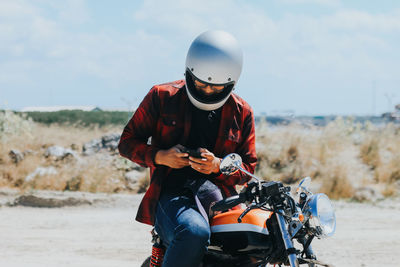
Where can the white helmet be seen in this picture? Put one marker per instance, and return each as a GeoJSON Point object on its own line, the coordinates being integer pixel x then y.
{"type": "Point", "coordinates": [214, 58]}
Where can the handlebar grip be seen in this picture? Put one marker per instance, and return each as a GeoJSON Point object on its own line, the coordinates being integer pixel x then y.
{"type": "Point", "coordinates": [228, 203]}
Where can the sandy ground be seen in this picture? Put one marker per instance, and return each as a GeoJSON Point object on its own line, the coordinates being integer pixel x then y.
{"type": "Point", "coordinates": [105, 234]}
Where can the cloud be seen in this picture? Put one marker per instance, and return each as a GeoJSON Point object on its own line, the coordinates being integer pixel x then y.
{"type": "Point", "coordinates": [38, 43]}
{"type": "Point", "coordinates": [293, 41]}
{"type": "Point", "coordinates": [188, 18]}
{"type": "Point", "coordinates": [43, 41]}
{"type": "Point", "coordinates": [16, 9]}
{"type": "Point", "coordinates": [331, 3]}
{"type": "Point", "coordinates": [354, 20]}
{"type": "Point", "coordinates": [72, 11]}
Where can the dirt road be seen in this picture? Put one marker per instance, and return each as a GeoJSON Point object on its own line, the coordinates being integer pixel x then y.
{"type": "Point", "coordinates": [105, 234]}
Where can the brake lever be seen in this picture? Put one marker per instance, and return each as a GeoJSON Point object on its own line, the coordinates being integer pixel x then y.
{"type": "Point", "coordinates": [249, 208]}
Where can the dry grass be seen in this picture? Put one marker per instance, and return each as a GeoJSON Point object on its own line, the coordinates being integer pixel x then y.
{"type": "Point", "coordinates": [340, 157]}
{"type": "Point", "coordinates": [336, 182]}
{"type": "Point", "coordinates": [369, 152]}
{"type": "Point", "coordinates": [388, 169]}
{"type": "Point", "coordinates": [144, 183]}
{"type": "Point", "coordinates": [94, 175]}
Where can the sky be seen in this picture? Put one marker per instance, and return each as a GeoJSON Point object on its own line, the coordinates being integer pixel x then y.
{"type": "Point", "coordinates": [301, 57]}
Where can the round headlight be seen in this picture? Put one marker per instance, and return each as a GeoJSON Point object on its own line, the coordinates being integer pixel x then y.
{"type": "Point", "coordinates": [321, 215]}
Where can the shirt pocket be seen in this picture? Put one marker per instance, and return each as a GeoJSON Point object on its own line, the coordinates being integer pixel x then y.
{"type": "Point", "coordinates": [234, 135]}
{"type": "Point", "coordinates": [170, 131]}
{"type": "Point", "coordinates": [169, 121]}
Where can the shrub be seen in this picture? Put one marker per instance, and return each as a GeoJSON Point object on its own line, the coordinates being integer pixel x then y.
{"type": "Point", "coordinates": [81, 118]}
{"type": "Point", "coordinates": [369, 152]}
{"type": "Point", "coordinates": [335, 181]}
{"type": "Point", "coordinates": [14, 126]}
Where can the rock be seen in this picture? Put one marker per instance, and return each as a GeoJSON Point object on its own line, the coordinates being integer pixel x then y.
{"type": "Point", "coordinates": [8, 195]}
{"type": "Point", "coordinates": [16, 156]}
{"type": "Point", "coordinates": [41, 202]}
{"type": "Point", "coordinates": [59, 153]}
{"type": "Point", "coordinates": [133, 176]}
{"type": "Point", "coordinates": [363, 194]}
{"type": "Point", "coordinates": [107, 142]}
{"type": "Point", "coordinates": [113, 145]}
{"type": "Point", "coordinates": [40, 171]}
{"type": "Point", "coordinates": [124, 164]}
{"type": "Point", "coordinates": [92, 147]}
{"type": "Point", "coordinates": [110, 141]}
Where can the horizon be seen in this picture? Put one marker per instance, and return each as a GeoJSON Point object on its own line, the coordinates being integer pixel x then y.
{"type": "Point", "coordinates": [89, 108]}
{"type": "Point", "coordinates": [308, 57]}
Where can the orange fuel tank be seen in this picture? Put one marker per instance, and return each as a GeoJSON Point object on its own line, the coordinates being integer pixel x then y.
{"type": "Point", "coordinates": [251, 233]}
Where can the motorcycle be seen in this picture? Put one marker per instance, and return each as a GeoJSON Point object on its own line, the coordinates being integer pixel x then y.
{"type": "Point", "coordinates": [265, 232]}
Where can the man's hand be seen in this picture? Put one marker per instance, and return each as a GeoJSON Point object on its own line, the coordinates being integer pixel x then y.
{"type": "Point", "coordinates": [172, 157]}
{"type": "Point", "coordinates": [209, 163]}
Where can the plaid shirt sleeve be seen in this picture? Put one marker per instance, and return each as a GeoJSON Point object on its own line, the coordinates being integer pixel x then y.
{"type": "Point", "coordinates": [247, 150]}
{"type": "Point", "coordinates": [134, 139]}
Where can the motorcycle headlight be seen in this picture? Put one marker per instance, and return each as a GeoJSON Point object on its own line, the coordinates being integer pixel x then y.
{"type": "Point", "coordinates": [321, 215]}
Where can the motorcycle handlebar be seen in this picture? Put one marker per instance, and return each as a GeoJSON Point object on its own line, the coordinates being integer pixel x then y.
{"type": "Point", "coordinates": [228, 203]}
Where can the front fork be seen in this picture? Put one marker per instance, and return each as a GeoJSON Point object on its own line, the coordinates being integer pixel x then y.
{"type": "Point", "coordinates": [283, 226]}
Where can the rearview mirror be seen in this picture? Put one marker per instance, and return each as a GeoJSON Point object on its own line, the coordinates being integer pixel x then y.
{"type": "Point", "coordinates": [230, 164]}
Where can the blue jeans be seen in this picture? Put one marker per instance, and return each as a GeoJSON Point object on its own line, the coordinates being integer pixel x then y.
{"type": "Point", "coordinates": [183, 230]}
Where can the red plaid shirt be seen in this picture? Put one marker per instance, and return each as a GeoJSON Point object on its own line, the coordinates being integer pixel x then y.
{"type": "Point", "coordinates": [164, 115]}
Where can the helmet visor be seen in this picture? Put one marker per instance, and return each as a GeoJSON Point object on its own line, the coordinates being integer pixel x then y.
{"type": "Point", "coordinates": [205, 92]}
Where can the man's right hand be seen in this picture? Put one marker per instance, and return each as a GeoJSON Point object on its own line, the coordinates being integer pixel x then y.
{"type": "Point", "coordinates": [172, 157]}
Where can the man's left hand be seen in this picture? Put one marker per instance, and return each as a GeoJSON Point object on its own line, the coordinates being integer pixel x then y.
{"type": "Point", "coordinates": [207, 164]}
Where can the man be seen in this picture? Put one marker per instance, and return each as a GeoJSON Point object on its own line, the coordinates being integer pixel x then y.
{"type": "Point", "coordinates": [202, 114]}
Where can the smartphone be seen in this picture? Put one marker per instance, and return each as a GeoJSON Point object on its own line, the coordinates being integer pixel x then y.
{"type": "Point", "coordinates": [195, 153]}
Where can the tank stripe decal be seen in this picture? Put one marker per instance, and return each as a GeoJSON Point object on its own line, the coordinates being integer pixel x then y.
{"type": "Point", "coordinates": [239, 227]}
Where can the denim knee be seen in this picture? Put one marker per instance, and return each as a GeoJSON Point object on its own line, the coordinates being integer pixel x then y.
{"type": "Point", "coordinates": [194, 235]}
